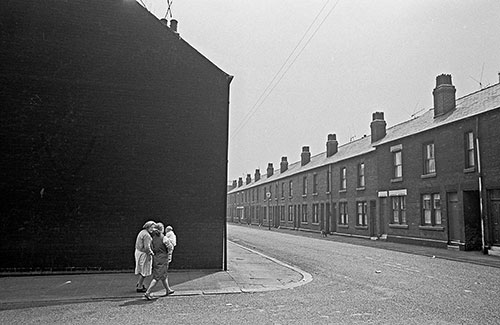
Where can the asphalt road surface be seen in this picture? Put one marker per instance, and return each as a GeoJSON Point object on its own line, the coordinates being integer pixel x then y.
{"type": "Point", "coordinates": [351, 285]}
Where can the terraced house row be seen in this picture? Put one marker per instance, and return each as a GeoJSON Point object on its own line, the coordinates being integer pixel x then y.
{"type": "Point", "coordinates": [431, 180]}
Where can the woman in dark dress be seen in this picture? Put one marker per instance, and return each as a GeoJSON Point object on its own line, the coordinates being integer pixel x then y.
{"type": "Point", "coordinates": [162, 248]}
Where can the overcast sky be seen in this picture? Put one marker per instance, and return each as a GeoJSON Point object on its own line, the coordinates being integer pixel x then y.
{"type": "Point", "coordinates": [304, 69]}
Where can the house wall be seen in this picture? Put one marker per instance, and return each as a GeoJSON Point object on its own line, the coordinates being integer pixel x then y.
{"type": "Point", "coordinates": [111, 120]}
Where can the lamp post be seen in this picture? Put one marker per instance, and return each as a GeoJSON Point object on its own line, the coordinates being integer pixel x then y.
{"type": "Point", "coordinates": [268, 195]}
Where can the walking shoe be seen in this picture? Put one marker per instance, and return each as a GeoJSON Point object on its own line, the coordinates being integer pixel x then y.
{"type": "Point", "coordinates": [148, 296]}
{"type": "Point", "coordinates": [170, 292]}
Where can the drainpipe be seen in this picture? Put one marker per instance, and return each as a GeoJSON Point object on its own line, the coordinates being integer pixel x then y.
{"type": "Point", "coordinates": [481, 190]}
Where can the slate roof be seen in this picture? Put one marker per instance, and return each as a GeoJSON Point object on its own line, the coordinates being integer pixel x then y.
{"type": "Point", "coordinates": [468, 106]}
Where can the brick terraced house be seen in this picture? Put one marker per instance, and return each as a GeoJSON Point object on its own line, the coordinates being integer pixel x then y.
{"type": "Point", "coordinates": [109, 119]}
{"type": "Point", "coordinates": [432, 180]}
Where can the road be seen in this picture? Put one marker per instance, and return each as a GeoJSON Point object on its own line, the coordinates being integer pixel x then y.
{"type": "Point", "coordinates": [351, 285]}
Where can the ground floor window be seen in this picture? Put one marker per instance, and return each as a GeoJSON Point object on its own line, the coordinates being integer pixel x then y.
{"type": "Point", "coordinates": [398, 209]}
{"type": "Point", "coordinates": [343, 215]}
{"type": "Point", "coordinates": [290, 213]}
{"type": "Point", "coordinates": [304, 213]}
{"type": "Point", "coordinates": [315, 218]}
{"type": "Point", "coordinates": [362, 208]}
{"type": "Point", "coordinates": [431, 209]}
{"type": "Point", "coordinates": [282, 213]}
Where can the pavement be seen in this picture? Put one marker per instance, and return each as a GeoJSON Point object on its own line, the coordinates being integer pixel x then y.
{"type": "Point", "coordinates": [248, 271]}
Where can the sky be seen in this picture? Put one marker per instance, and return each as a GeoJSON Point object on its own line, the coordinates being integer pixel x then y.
{"type": "Point", "coordinates": [305, 69]}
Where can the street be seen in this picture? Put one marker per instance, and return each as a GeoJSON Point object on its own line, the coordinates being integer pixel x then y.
{"type": "Point", "coordinates": [351, 285]}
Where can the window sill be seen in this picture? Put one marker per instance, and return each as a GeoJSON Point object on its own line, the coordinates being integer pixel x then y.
{"type": "Point", "coordinates": [360, 188]}
{"type": "Point", "coordinates": [282, 198]}
{"type": "Point", "coordinates": [470, 170]}
{"type": "Point", "coordinates": [304, 195]}
{"type": "Point", "coordinates": [327, 192]}
{"type": "Point", "coordinates": [342, 226]}
{"type": "Point", "coordinates": [397, 180]}
{"type": "Point", "coordinates": [430, 175]}
{"type": "Point", "coordinates": [398, 226]}
{"type": "Point", "coordinates": [433, 228]}
{"type": "Point", "coordinates": [361, 227]}
{"type": "Point", "coordinates": [342, 191]}
{"type": "Point", "coordinates": [315, 223]}
{"type": "Point", "coordinates": [304, 223]}
{"type": "Point", "coordinates": [315, 194]}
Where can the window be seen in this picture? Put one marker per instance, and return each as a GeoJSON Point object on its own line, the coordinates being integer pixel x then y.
{"type": "Point", "coordinates": [253, 194]}
{"type": "Point", "coordinates": [398, 209]}
{"type": "Point", "coordinates": [431, 209]}
{"type": "Point", "coordinates": [290, 188]}
{"type": "Point", "coordinates": [343, 178]}
{"type": "Point", "coordinates": [315, 184]}
{"type": "Point", "coordinates": [361, 175]}
{"type": "Point", "coordinates": [265, 193]}
{"type": "Point", "coordinates": [328, 181]}
{"type": "Point", "coordinates": [304, 213]}
{"type": "Point", "coordinates": [469, 150]}
{"type": "Point", "coordinates": [290, 213]}
{"type": "Point", "coordinates": [315, 216]}
{"type": "Point", "coordinates": [257, 194]}
{"type": "Point", "coordinates": [304, 185]}
{"type": "Point", "coordinates": [282, 213]}
{"type": "Point", "coordinates": [282, 190]}
{"type": "Point", "coordinates": [277, 190]}
{"type": "Point", "coordinates": [343, 216]}
{"type": "Point", "coordinates": [429, 160]}
{"type": "Point", "coordinates": [362, 210]}
{"type": "Point", "coordinates": [398, 164]}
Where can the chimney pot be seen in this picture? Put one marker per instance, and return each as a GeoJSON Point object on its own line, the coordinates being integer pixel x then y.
{"type": "Point", "coordinates": [249, 179]}
{"type": "Point", "coordinates": [173, 25]}
{"type": "Point", "coordinates": [240, 181]}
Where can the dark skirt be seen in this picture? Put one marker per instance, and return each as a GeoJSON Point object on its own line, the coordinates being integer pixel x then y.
{"type": "Point", "coordinates": [160, 266]}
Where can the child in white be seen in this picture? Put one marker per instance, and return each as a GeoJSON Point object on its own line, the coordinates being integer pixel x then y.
{"type": "Point", "coordinates": [171, 237]}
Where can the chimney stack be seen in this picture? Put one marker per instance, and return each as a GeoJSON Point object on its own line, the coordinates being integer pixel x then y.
{"type": "Point", "coordinates": [378, 126]}
{"type": "Point", "coordinates": [305, 156]}
{"type": "Point", "coordinates": [444, 95]}
{"type": "Point", "coordinates": [235, 183]}
{"type": "Point", "coordinates": [257, 174]}
{"type": "Point", "coordinates": [270, 170]}
{"type": "Point", "coordinates": [240, 181]}
{"type": "Point", "coordinates": [283, 165]}
{"type": "Point", "coordinates": [331, 145]}
{"type": "Point", "coordinates": [248, 180]}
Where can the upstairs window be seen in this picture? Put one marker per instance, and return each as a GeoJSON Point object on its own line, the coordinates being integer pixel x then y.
{"type": "Point", "coordinates": [328, 181]}
{"type": "Point", "coordinates": [290, 188]}
{"type": "Point", "coordinates": [429, 159]}
{"type": "Point", "coordinates": [343, 178]}
{"type": "Point", "coordinates": [304, 185]}
{"type": "Point", "coordinates": [470, 161]}
{"type": "Point", "coordinates": [315, 183]}
{"type": "Point", "coordinates": [398, 164]}
{"type": "Point", "coordinates": [282, 190]}
{"type": "Point", "coordinates": [361, 175]}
